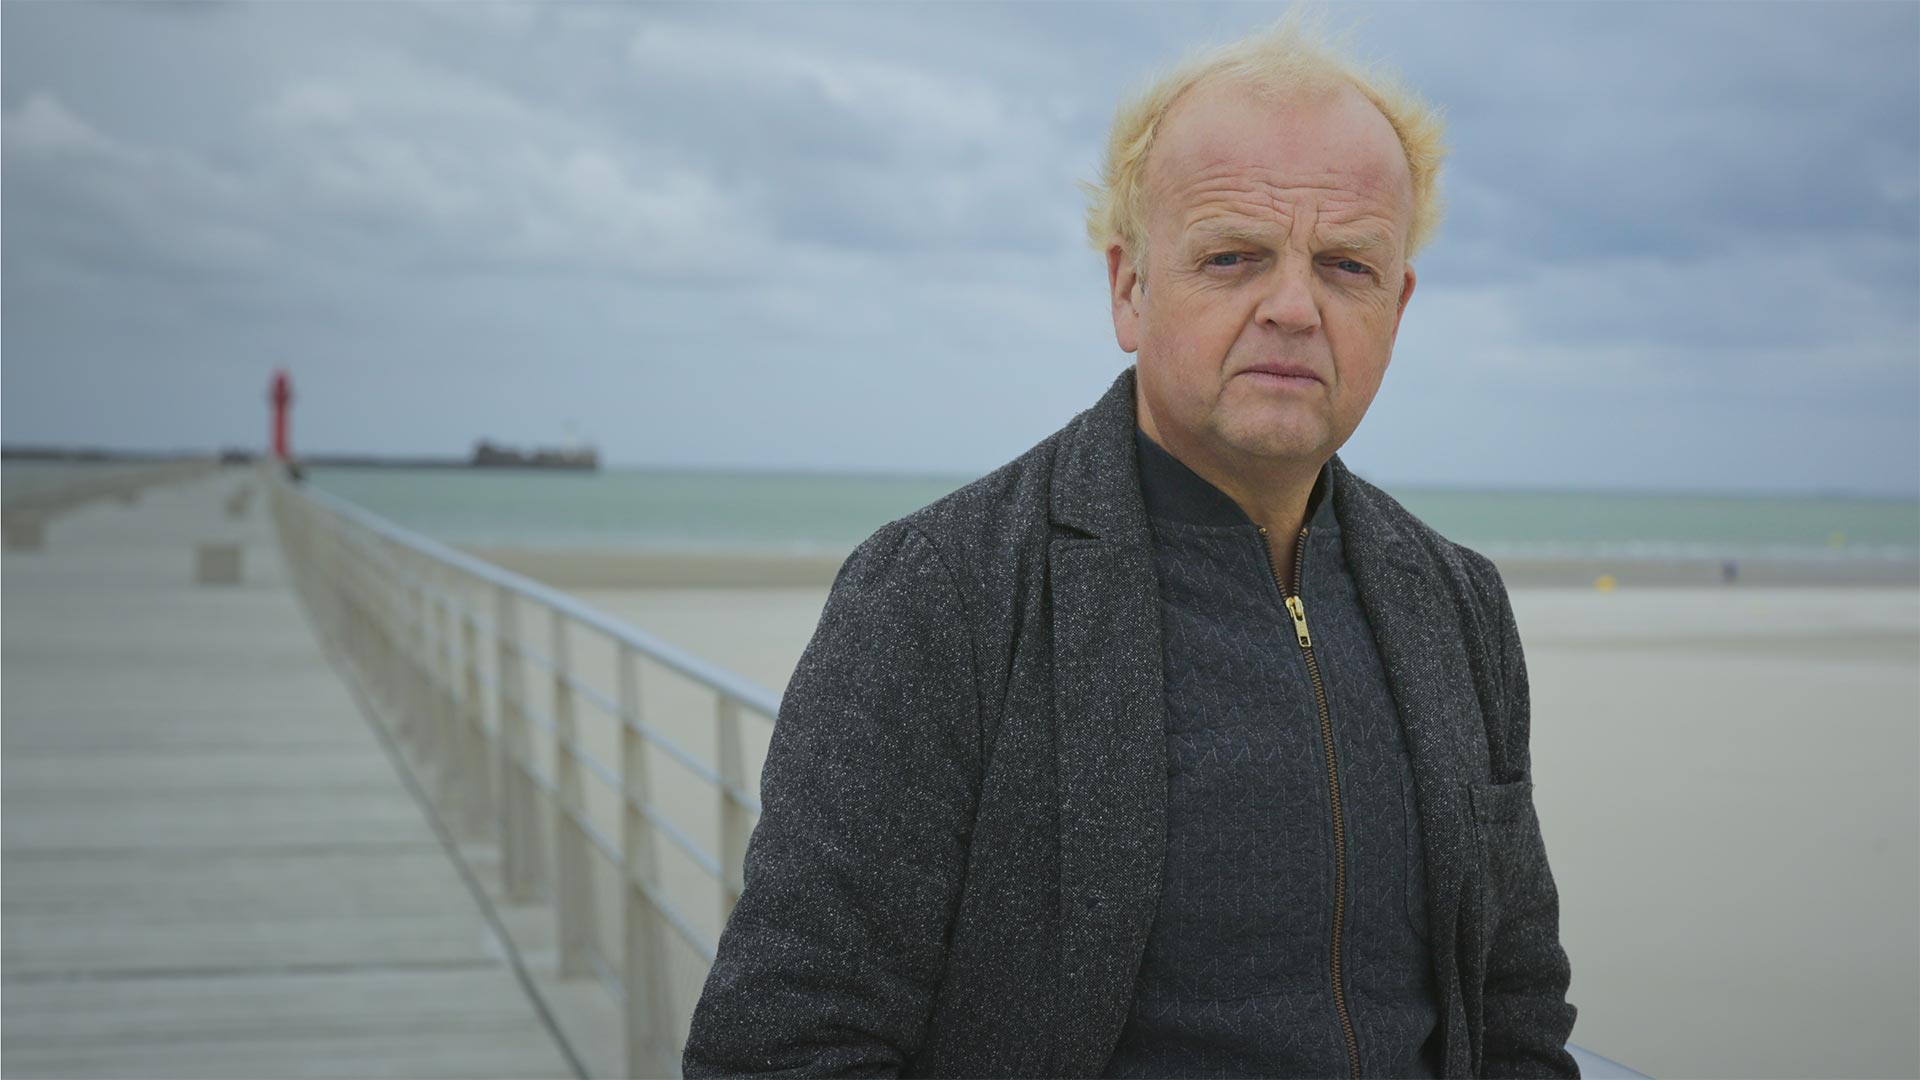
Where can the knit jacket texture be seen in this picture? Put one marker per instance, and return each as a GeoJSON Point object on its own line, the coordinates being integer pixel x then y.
{"type": "Point", "coordinates": [964, 823]}
{"type": "Point", "coordinates": [1265, 870]}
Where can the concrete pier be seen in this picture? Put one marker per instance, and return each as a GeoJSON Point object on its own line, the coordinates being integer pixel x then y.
{"type": "Point", "coordinates": [212, 864]}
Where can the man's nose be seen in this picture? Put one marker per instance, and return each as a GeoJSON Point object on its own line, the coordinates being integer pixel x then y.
{"type": "Point", "coordinates": [1289, 303]}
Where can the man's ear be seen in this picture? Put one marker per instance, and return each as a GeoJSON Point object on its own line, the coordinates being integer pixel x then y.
{"type": "Point", "coordinates": [1406, 294]}
{"type": "Point", "coordinates": [1127, 290]}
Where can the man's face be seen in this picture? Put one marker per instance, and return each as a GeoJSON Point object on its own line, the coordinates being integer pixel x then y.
{"type": "Point", "coordinates": [1275, 277]}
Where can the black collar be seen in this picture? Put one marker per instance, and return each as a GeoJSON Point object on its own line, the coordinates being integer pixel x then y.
{"type": "Point", "coordinates": [1174, 492]}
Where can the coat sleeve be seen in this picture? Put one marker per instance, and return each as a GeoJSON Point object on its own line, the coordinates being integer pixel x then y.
{"type": "Point", "coordinates": [829, 962]}
{"type": "Point", "coordinates": [1527, 1017]}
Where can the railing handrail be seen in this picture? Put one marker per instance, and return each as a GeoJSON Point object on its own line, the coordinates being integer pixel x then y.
{"type": "Point", "coordinates": [747, 693]}
{"type": "Point", "coordinates": [451, 685]}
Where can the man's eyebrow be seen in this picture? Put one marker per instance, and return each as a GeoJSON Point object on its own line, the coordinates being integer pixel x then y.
{"type": "Point", "coordinates": [1363, 241]}
{"type": "Point", "coordinates": [1216, 233]}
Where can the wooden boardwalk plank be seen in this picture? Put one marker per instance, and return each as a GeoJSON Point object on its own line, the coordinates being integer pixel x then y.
{"type": "Point", "coordinates": [137, 913]}
{"type": "Point", "coordinates": [253, 1006]}
{"type": "Point", "coordinates": [211, 865]}
{"type": "Point", "coordinates": [213, 819]}
{"type": "Point", "coordinates": [475, 1054]}
{"type": "Point", "coordinates": [119, 770]}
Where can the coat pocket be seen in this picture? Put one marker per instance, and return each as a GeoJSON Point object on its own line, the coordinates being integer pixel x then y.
{"type": "Point", "coordinates": [1512, 855]}
{"type": "Point", "coordinates": [1493, 803]}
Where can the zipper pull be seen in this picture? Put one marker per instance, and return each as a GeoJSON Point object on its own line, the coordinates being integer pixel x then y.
{"type": "Point", "coordinates": [1298, 609]}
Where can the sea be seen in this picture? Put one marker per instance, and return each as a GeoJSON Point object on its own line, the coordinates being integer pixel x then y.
{"type": "Point", "coordinates": [677, 510]}
{"type": "Point", "coordinates": [708, 510]}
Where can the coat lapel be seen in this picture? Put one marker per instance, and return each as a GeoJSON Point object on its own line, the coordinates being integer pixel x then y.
{"type": "Point", "coordinates": [1109, 702]}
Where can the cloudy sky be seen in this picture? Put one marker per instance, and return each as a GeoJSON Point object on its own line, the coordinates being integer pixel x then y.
{"type": "Point", "coordinates": [1683, 249]}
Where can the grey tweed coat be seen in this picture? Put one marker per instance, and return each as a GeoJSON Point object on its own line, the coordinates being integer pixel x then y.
{"type": "Point", "coordinates": [965, 801]}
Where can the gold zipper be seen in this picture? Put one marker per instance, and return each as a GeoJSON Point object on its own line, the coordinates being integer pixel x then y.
{"type": "Point", "coordinates": [1297, 607]}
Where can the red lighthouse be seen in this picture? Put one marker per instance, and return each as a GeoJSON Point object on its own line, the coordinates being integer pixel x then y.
{"type": "Point", "coordinates": [281, 396]}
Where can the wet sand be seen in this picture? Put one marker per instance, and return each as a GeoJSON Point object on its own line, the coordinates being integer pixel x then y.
{"type": "Point", "coordinates": [1728, 779]}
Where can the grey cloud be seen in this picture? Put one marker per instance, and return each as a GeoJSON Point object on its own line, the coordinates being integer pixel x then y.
{"type": "Point", "coordinates": [710, 232]}
{"type": "Point", "coordinates": [1676, 130]}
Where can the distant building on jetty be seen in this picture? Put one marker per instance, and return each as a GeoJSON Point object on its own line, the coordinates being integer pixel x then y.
{"type": "Point", "coordinates": [487, 455]}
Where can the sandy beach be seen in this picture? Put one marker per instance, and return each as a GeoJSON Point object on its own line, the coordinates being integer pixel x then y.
{"type": "Point", "coordinates": [600, 568]}
{"type": "Point", "coordinates": [1728, 779]}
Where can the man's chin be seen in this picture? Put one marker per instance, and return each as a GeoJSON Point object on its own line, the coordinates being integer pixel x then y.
{"type": "Point", "coordinates": [1280, 442]}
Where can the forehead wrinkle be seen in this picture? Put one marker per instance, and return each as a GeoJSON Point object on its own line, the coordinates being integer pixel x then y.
{"type": "Point", "coordinates": [1238, 211]}
{"type": "Point", "coordinates": [1232, 190]}
{"type": "Point", "coordinates": [1227, 175]}
{"type": "Point", "coordinates": [1216, 155]}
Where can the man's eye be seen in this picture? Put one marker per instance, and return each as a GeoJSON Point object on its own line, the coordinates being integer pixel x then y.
{"type": "Point", "coordinates": [1226, 258]}
{"type": "Point", "coordinates": [1352, 267]}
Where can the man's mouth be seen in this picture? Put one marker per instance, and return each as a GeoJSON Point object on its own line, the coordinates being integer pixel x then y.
{"type": "Point", "coordinates": [1281, 374]}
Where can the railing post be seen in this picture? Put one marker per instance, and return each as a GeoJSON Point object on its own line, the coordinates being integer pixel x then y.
{"type": "Point", "coordinates": [338, 581]}
{"type": "Point", "coordinates": [355, 613]}
{"type": "Point", "coordinates": [476, 764]}
{"type": "Point", "coordinates": [414, 717]}
{"type": "Point", "coordinates": [400, 615]}
{"type": "Point", "coordinates": [381, 616]}
{"type": "Point", "coordinates": [734, 826]}
{"type": "Point", "coordinates": [406, 654]}
{"type": "Point", "coordinates": [392, 616]}
{"type": "Point", "coordinates": [572, 871]}
{"type": "Point", "coordinates": [648, 1006]}
{"type": "Point", "coordinates": [330, 580]}
{"type": "Point", "coordinates": [518, 873]}
{"type": "Point", "coordinates": [446, 710]}
{"type": "Point", "coordinates": [425, 709]}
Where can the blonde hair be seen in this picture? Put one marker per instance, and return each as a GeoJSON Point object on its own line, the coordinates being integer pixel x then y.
{"type": "Point", "coordinates": [1288, 58]}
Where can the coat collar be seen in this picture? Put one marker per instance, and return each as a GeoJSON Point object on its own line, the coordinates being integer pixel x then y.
{"type": "Point", "coordinates": [1110, 710]}
{"type": "Point", "coordinates": [1096, 477]}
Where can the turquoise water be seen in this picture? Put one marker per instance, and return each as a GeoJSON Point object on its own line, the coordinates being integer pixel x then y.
{"type": "Point", "coordinates": [686, 509]}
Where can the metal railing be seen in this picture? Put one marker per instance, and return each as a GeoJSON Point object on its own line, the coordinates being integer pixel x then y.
{"type": "Point", "coordinates": [443, 645]}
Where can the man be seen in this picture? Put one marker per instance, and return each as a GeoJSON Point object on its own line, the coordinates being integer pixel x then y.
{"type": "Point", "coordinates": [1172, 748]}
